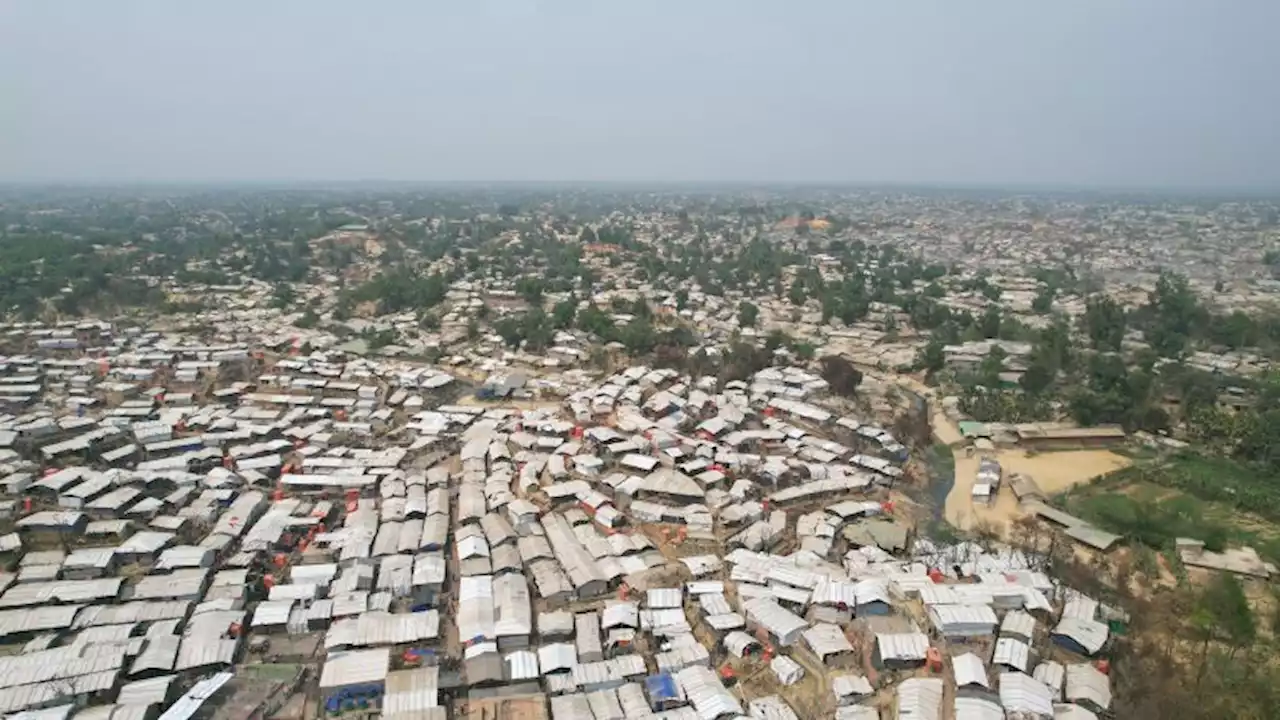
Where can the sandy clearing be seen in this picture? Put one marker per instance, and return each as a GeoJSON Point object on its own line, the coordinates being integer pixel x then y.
{"type": "Point", "coordinates": [945, 431]}
{"type": "Point", "coordinates": [1054, 472]}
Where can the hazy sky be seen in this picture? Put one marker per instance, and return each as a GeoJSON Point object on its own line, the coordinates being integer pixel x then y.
{"type": "Point", "coordinates": [1158, 93]}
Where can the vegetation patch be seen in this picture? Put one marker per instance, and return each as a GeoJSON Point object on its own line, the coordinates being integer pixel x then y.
{"type": "Point", "coordinates": [1218, 501]}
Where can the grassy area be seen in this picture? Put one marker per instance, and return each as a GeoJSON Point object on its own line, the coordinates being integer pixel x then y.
{"type": "Point", "coordinates": [1218, 501]}
{"type": "Point", "coordinates": [941, 460]}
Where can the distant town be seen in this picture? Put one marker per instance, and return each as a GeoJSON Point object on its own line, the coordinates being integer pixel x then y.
{"type": "Point", "coordinates": [609, 454]}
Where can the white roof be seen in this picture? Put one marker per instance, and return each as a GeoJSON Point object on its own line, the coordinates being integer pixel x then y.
{"type": "Point", "coordinates": [706, 693]}
{"type": "Point", "coordinates": [920, 699]}
{"type": "Point", "coordinates": [903, 646]}
{"type": "Point", "coordinates": [557, 656]}
{"type": "Point", "coordinates": [1072, 712]}
{"type": "Point", "coordinates": [826, 639]}
{"type": "Point", "coordinates": [969, 670]}
{"type": "Point", "coordinates": [966, 620]}
{"type": "Point", "coordinates": [1018, 623]}
{"type": "Point", "coordinates": [1013, 653]}
{"type": "Point", "coordinates": [412, 691]}
{"type": "Point", "coordinates": [1091, 634]}
{"type": "Point", "coordinates": [977, 708]}
{"type": "Point", "coordinates": [355, 667]}
{"type": "Point", "coordinates": [1024, 694]}
{"type": "Point", "coordinates": [1053, 675]}
{"type": "Point", "coordinates": [1087, 684]}
{"type": "Point", "coordinates": [664, 598]}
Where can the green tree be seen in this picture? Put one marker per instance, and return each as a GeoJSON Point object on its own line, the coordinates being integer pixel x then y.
{"type": "Point", "coordinates": [308, 320]}
{"type": "Point", "coordinates": [1038, 376]}
{"type": "Point", "coordinates": [562, 315]}
{"type": "Point", "coordinates": [1237, 330]}
{"type": "Point", "coordinates": [1172, 315]}
{"type": "Point", "coordinates": [638, 336]}
{"type": "Point", "coordinates": [776, 339]}
{"type": "Point", "coordinates": [748, 314]}
{"type": "Point", "coordinates": [991, 367]}
{"type": "Point", "coordinates": [841, 376]}
{"type": "Point", "coordinates": [1043, 301]}
{"type": "Point", "coordinates": [1232, 617]}
{"type": "Point", "coordinates": [1104, 323]}
{"type": "Point", "coordinates": [283, 297]}
{"type": "Point", "coordinates": [991, 322]}
{"type": "Point", "coordinates": [1260, 439]}
{"type": "Point", "coordinates": [933, 358]}
{"type": "Point", "coordinates": [796, 294]}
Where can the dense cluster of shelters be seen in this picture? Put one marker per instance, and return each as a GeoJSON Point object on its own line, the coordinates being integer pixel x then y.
{"type": "Point", "coordinates": [653, 545]}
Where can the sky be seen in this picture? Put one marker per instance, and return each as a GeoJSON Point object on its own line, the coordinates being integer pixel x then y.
{"type": "Point", "coordinates": [1076, 93]}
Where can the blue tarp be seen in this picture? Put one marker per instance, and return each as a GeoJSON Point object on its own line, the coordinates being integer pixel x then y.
{"type": "Point", "coordinates": [661, 688]}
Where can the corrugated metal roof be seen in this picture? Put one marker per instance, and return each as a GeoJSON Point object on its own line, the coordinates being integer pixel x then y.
{"type": "Point", "coordinates": [1013, 653]}
{"type": "Point", "coordinates": [383, 628]}
{"type": "Point", "coordinates": [604, 704]}
{"type": "Point", "coordinates": [1024, 694]}
{"type": "Point", "coordinates": [355, 667]}
{"type": "Point", "coordinates": [411, 691]}
{"type": "Point", "coordinates": [706, 693]}
{"type": "Point", "coordinates": [184, 556]}
{"type": "Point", "coordinates": [976, 708]}
{"type": "Point", "coordinates": [513, 610]}
{"type": "Point", "coordinates": [903, 646]}
{"type": "Point", "coordinates": [1053, 675]}
{"type": "Point", "coordinates": [56, 664]}
{"type": "Point", "coordinates": [521, 665]}
{"type": "Point", "coordinates": [557, 656]}
{"type": "Point", "coordinates": [574, 706]}
{"type": "Point", "coordinates": [203, 651]}
{"type": "Point", "coordinates": [190, 703]}
{"type": "Point", "coordinates": [13, 622]}
{"type": "Point", "coordinates": [1086, 685]}
{"type": "Point", "coordinates": [780, 622]}
{"type": "Point", "coordinates": [272, 613]}
{"type": "Point", "coordinates": [920, 699]}
{"type": "Point", "coordinates": [476, 608]}
{"type": "Point", "coordinates": [152, 691]}
{"type": "Point", "coordinates": [620, 614]}
{"type": "Point", "coordinates": [146, 542]}
{"type": "Point", "coordinates": [857, 712]}
{"type": "Point", "coordinates": [664, 598]}
{"type": "Point", "coordinates": [178, 584]}
{"type": "Point", "coordinates": [159, 653]}
{"type": "Point", "coordinates": [1090, 634]}
{"type": "Point", "coordinates": [826, 639]}
{"type": "Point", "coordinates": [770, 707]}
{"type": "Point", "coordinates": [1072, 712]}
{"type": "Point", "coordinates": [963, 620]}
{"type": "Point", "coordinates": [62, 591]}
{"type": "Point", "coordinates": [969, 670]}
{"type": "Point", "coordinates": [1018, 623]}
{"type": "Point", "coordinates": [132, 612]}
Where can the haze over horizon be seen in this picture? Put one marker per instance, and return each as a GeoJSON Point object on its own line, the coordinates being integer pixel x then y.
{"type": "Point", "coordinates": [1141, 94]}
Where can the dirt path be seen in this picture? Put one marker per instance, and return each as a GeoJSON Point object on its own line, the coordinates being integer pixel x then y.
{"type": "Point", "coordinates": [1054, 472]}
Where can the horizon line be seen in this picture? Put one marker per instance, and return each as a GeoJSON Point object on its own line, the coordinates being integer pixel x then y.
{"type": "Point", "coordinates": [1011, 187]}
